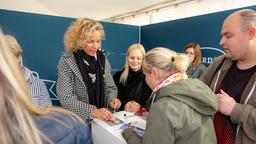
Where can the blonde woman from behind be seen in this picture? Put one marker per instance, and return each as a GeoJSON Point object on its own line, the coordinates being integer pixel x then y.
{"type": "Point", "coordinates": [24, 123]}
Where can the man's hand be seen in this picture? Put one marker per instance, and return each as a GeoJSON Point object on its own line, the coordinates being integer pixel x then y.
{"type": "Point", "coordinates": [226, 103]}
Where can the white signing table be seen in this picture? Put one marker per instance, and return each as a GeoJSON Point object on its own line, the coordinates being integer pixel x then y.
{"type": "Point", "coordinates": [104, 133]}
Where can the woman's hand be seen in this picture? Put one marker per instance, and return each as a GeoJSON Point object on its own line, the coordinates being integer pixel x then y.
{"type": "Point", "coordinates": [132, 106]}
{"type": "Point", "coordinates": [101, 113]}
{"type": "Point", "coordinates": [115, 104]}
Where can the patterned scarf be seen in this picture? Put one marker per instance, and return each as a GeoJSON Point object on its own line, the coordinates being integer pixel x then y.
{"type": "Point", "coordinates": [92, 71]}
{"type": "Point", "coordinates": [170, 79]}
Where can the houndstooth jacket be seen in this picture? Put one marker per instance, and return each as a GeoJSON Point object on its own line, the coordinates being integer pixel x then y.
{"type": "Point", "coordinates": [71, 88]}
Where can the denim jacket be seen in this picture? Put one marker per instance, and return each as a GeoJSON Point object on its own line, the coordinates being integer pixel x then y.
{"type": "Point", "coordinates": [60, 128]}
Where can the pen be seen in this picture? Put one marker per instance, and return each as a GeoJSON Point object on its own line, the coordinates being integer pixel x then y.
{"type": "Point", "coordinates": [132, 123]}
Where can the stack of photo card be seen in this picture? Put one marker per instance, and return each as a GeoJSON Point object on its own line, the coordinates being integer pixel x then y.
{"type": "Point", "coordinates": [115, 123]}
{"type": "Point", "coordinates": [122, 120]}
{"type": "Point", "coordinates": [137, 130]}
{"type": "Point", "coordinates": [136, 121]}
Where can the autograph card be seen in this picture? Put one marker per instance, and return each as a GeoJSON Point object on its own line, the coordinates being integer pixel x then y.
{"type": "Point", "coordinates": [114, 122]}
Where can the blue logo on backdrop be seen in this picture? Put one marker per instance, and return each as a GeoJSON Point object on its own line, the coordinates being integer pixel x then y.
{"type": "Point", "coordinates": [209, 54]}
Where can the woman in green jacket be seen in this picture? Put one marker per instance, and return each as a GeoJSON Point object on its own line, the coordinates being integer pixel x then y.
{"type": "Point", "coordinates": [181, 109]}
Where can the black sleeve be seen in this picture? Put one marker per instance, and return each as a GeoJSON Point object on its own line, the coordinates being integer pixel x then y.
{"type": "Point", "coordinates": [145, 95]}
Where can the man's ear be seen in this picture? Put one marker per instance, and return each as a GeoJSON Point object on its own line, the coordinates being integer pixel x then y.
{"type": "Point", "coordinates": [252, 32]}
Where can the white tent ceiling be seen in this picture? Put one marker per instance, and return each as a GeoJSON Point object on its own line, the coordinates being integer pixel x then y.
{"type": "Point", "coordinates": [96, 9]}
{"type": "Point", "coordinates": [105, 9]}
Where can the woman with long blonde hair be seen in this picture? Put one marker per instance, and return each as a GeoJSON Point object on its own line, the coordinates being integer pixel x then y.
{"type": "Point", "coordinates": [24, 123]}
{"type": "Point", "coordinates": [130, 81]}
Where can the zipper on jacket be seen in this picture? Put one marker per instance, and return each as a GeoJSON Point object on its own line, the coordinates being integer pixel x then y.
{"type": "Point", "coordinates": [246, 100]}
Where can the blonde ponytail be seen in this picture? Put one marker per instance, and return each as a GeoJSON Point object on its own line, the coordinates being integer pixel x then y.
{"type": "Point", "coordinates": [181, 63]}
{"type": "Point", "coordinates": [165, 60]}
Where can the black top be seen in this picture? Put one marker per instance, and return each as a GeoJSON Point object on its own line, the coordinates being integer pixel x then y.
{"type": "Point", "coordinates": [135, 89]}
{"type": "Point", "coordinates": [236, 80]}
{"type": "Point", "coordinates": [234, 84]}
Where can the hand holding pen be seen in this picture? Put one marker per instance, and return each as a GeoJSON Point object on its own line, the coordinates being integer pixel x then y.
{"type": "Point", "coordinates": [132, 106]}
{"type": "Point", "coordinates": [115, 104]}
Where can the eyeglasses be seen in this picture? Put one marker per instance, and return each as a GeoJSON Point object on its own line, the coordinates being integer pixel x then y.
{"type": "Point", "coordinates": [189, 53]}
